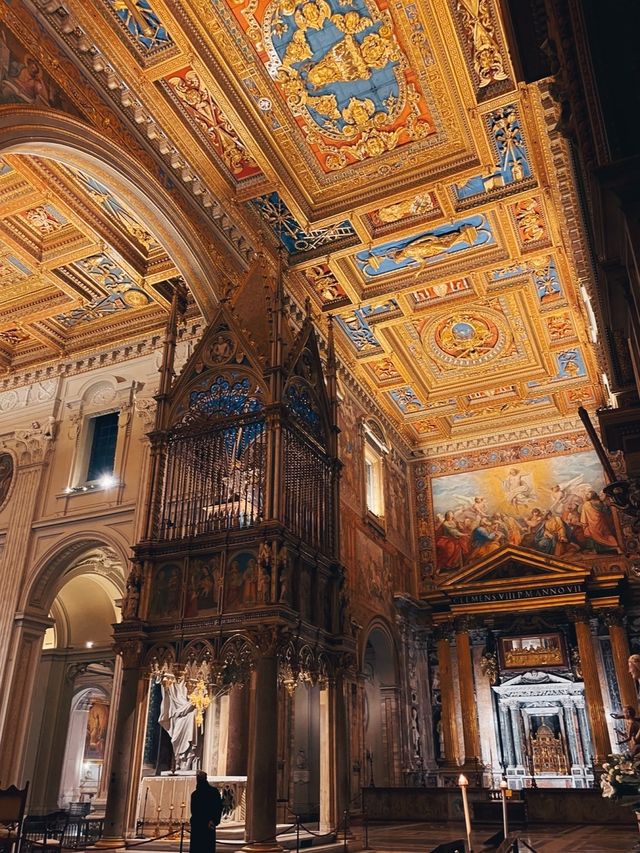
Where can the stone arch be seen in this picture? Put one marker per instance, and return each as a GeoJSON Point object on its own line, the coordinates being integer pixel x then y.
{"type": "Point", "coordinates": [48, 574]}
{"type": "Point", "coordinates": [59, 566]}
{"type": "Point", "coordinates": [379, 663]}
{"type": "Point", "coordinates": [375, 430]}
{"type": "Point", "coordinates": [380, 625]}
{"type": "Point", "coordinates": [54, 136]}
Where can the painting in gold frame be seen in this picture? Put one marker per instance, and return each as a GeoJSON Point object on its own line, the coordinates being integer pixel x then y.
{"type": "Point", "coordinates": [535, 651]}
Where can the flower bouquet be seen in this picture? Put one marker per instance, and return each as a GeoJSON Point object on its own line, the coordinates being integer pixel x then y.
{"type": "Point", "coordinates": [620, 780]}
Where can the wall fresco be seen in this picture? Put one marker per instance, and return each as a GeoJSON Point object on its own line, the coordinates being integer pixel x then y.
{"type": "Point", "coordinates": [23, 80]}
{"type": "Point", "coordinates": [549, 505]}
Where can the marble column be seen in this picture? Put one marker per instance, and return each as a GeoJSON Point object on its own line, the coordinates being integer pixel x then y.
{"type": "Point", "coordinates": [238, 731]}
{"type": "Point", "coordinates": [101, 796]}
{"type": "Point", "coordinates": [25, 651]}
{"type": "Point", "coordinates": [508, 756]}
{"type": "Point", "coordinates": [572, 741]}
{"type": "Point", "coordinates": [327, 815]}
{"type": "Point", "coordinates": [592, 689]}
{"type": "Point", "coordinates": [115, 819]}
{"type": "Point", "coordinates": [585, 735]}
{"type": "Point", "coordinates": [470, 732]}
{"type": "Point", "coordinates": [516, 729]}
{"type": "Point", "coordinates": [575, 723]}
{"type": "Point", "coordinates": [620, 652]}
{"type": "Point", "coordinates": [340, 751]}
{"type": "Point", "coordinates": [262, 770]}
{"type": "Point", "coordinates": [14, 559]}
{"type": "Point", "coordinates": [448, 710]}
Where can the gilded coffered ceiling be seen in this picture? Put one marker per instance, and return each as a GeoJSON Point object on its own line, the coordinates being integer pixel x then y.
{"type": "Point", "coordinates": [418, 192]}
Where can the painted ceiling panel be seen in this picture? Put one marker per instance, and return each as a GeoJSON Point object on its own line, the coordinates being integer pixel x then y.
{"type": "Point", "coordinates": [386, 151]}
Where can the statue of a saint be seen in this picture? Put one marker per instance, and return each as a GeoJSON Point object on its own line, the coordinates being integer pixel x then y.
{"type": "Point", "coordinates": [178, 719]}
{"type": "Point", "coordinates": [285, 571]}
{"type": "Point", "coordinates": [264, 573]}
{"type": "Point", "coordinates": [132, 597]}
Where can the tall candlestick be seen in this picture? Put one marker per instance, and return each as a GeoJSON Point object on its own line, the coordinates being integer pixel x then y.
{"type": "Point", "coordinates": [503, 790]}
{"type": "Point", "coordinates": [463, 783]}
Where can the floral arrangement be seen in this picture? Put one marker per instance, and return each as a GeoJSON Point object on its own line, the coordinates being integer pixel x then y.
{"type": "Point", "coordinates": [620, 779]}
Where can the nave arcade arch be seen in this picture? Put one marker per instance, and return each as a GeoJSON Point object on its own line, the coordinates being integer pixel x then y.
{"type": "Point", "coordinates": [381, 715]}
{"type": "Point", "coordinates": [66, 677]}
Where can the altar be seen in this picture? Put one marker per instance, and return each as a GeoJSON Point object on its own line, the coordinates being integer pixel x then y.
{"type": "Point", "coordinates": [164, 800]}
{"type": "Point", "coordinates": [544, 731]}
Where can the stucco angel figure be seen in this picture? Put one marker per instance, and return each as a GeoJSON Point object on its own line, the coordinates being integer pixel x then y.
{"type": "Point", "coordinates": [178, 719]}
{"type": "Point", "coordinates": [634, 667]}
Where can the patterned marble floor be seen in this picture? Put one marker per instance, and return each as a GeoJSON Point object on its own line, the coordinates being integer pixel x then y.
{"type": "Point", "coordinates": [423, 837]}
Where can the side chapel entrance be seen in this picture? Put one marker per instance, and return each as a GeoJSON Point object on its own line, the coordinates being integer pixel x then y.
{"type": "Point", "coordinates": [540, 659]}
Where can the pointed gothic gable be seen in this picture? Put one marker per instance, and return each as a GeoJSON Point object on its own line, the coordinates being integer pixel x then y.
{"type": "Point", "coordinates": [254, 303]}
{"type": "Point", "coordinates": [223, 349]}
{"type": "Point", "coordinates": [305, 389]}
{"type": "Point", "coordinates": [512, 565]}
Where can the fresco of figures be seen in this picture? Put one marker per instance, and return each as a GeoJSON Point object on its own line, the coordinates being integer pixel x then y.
{"type": "Point", "coordinates": [554, 506]}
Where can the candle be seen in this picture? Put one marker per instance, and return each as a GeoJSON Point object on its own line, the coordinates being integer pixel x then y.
{"type": "Point", "coordinates": [463, 783]}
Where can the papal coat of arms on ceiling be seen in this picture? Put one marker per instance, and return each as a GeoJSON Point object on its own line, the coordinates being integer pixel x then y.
{"type": "Point", "coordinates": [343, 73]}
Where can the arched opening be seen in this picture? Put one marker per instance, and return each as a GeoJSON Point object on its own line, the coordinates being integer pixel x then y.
{"type": "Point", "coordinates": [68, 744]}
{"type": "Point", "coordinates": [54, 136]}
{"type": "Point", "coordinates": [381, 717]}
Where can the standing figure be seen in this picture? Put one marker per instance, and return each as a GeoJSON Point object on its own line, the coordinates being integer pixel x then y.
{"type": "Point", "coordinates": [264, 573]}
{"type": "Point", "coordinates": [285, 572]}
{"type": "Point", "coordinates": [206, 812]}
{"type": "Point", "coordinates": [631, 733]}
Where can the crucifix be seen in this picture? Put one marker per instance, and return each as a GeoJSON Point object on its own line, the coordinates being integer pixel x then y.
{"type": "Point", "coordinates": [200, 700]}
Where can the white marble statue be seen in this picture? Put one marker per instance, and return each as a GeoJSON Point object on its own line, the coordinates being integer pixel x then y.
{"type": "Point", "coordinates": [178, 719]}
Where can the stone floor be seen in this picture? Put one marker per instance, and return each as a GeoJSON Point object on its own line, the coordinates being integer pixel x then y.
{"type": "Point", "coordinates": [423, 837]}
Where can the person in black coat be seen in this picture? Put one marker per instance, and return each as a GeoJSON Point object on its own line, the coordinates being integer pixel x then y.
{"type": "Point", "coordinates": [206, 811]}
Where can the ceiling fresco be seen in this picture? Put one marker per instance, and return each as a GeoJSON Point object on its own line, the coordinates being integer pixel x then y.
{"type": "Point", "coordinates": [386, 151]}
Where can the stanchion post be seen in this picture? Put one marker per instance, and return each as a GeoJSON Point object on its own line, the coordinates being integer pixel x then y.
{"type": "Point", "coordinates": [346, 817]}
{"type": "Point", "coordinates": [366, 829]}
{"type": "Point", "coordinates": [181, 835]}
{"type": "Point", "coordinates": [297, 833]}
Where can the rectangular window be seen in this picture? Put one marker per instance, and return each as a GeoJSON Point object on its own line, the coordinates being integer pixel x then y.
{"type": "Point", "coordinates": [102, 437]}
{"type": "Point", "coordinates": [374, 482]}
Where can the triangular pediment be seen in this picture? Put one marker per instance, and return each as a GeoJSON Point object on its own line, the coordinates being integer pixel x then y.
{"type": "Point", "coordinates": [515, 566]}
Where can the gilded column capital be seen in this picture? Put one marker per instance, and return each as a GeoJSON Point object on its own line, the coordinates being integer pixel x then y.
{"type": "Point", "coordinates": [145, 408]}
{"type": "Point", "coordinates": [130, 650]}
{"type": "Point", "coordinates": [33, 445]}
{"type": "Point", "coordinates": [443, 631]}
{"type": "Point", "coordinates": [464, 624]}
{"type": "Point", "coordinates": [579, 614]}
{"type": "Point", "coordinates": [613, 617]}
